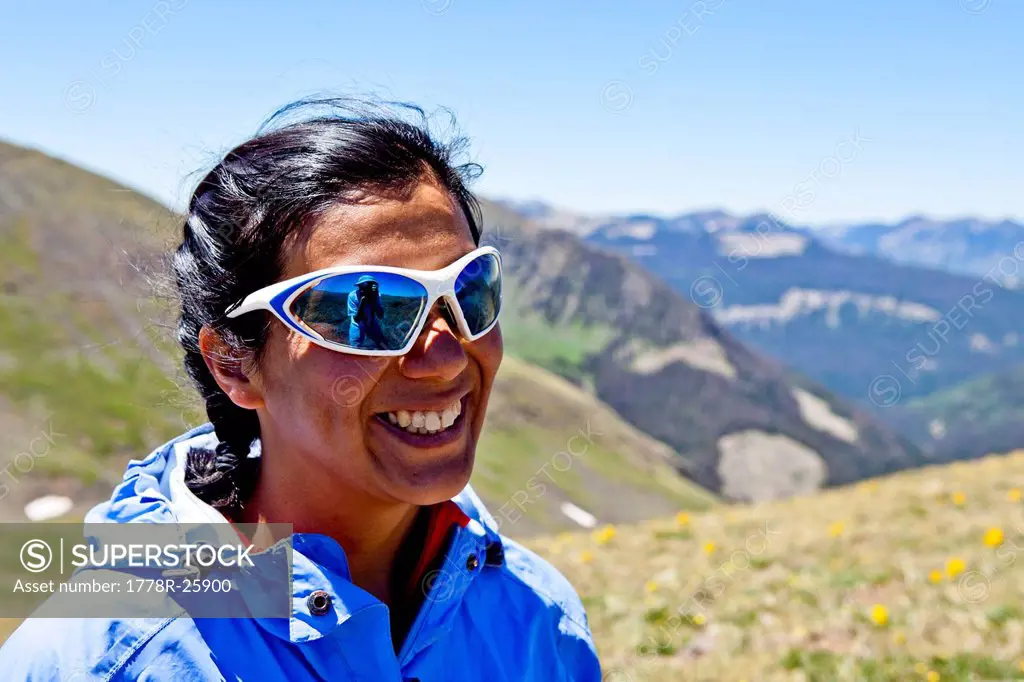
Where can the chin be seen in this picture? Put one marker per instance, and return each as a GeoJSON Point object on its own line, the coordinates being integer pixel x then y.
{"type": "Point", "coordinates": [431, 482]}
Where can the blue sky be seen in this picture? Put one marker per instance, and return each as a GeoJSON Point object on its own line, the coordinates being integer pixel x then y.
{"type": "Point", "coordinates": [594, 106]}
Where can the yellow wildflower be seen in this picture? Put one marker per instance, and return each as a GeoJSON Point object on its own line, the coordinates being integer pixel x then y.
{"type": "Point", "coordinates": [1013, 495]}
{"type": "Point", "coordinates": [920, 668]}
{"type": "Point", "coordinates": [993, 537]}
{"type": "Point", "coordinates": [682, 519]}
{"type": "Point", "coordinates": [955, 567]}
{"type": "Point", "coordinates": [933, 676]}
{"type": "Point", "coordinates": [699, 619]}
{"type": "Point", "coordinates": [959, 499]}
{"type": "Point", "coordinates": [836, 529]}
{"type": "Point", "coordinates": [879, 615]}
{"type": "Point", "coordinates": [650, 586]}
{"type": "Point", "coordinates": [935, 576]}
{"type": "Point", "coordinates": [604, 535]}
{"type": "Point", "coordinates": [709, 548]}
{"type": "Point", "coordinates": [586, 556]}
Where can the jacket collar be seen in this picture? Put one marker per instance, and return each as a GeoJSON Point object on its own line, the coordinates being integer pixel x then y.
{"type": "Point", "coordinates": [154, 490]}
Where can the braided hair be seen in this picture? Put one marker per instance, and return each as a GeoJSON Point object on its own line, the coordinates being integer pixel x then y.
{"type": "Point", "coordinates": [308, 157]}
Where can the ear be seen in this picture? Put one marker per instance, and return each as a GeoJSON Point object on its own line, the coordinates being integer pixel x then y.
{"type": "Point", "coordinates": [228, 368]}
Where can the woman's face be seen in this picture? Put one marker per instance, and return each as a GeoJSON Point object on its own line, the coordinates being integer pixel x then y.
{"type": "Point", "coordinates": [332, 409]}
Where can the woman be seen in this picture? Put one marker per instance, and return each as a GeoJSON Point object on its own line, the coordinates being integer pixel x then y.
{"type": "Point", "coordinates": [366, 451]}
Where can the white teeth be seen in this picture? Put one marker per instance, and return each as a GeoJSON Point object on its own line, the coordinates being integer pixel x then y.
{"type": "Point", "coordinates": [426, 422]}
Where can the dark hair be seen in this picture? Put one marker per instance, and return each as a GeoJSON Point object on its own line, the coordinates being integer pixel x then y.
{"type": "Point", "coordinates": [308, 157]}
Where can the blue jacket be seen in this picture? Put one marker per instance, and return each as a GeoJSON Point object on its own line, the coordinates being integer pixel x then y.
{"type": "Point", "coordinates": [512, 616]}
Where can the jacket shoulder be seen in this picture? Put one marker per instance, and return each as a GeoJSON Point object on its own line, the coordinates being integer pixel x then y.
{"type": "Point", "coordinates": [93, 649]}
{"type": "Point", "coordinates": [546, 582]}
{"type": "Point", "coordinates": [540, 600]}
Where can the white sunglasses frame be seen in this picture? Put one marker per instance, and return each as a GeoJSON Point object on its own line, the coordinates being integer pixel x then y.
{"type": "Point", "coordinates": [440, 284]}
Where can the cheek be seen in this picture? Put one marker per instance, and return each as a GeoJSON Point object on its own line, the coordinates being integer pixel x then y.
{"type": "Point", "coordinates": [488, 352]}
{"type": "Point", "coordinates": [311, 383]}
{"type": "Point", "coordinates": [348, 380]}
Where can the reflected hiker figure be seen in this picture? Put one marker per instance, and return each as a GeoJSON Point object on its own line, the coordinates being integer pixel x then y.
{"type": "Point", "coordinates": [365, 313]}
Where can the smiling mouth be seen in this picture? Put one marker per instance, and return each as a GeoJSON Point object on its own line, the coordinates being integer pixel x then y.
{"type": "Point", "coordinates": [426, 428]}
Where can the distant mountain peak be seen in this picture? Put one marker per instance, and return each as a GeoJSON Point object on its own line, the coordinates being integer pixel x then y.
{"type": "Point", "coordinates": [966, 245]}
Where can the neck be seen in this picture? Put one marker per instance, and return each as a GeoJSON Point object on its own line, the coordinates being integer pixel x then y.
{"type": "Point", "coordinates": [369, 529]}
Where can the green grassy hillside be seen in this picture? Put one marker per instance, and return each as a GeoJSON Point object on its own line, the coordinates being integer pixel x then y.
{"type": "Point", "coordinates": [546, 442]}
{"type": "Point", "coordinates": [969, 419]}
{"type": "Point", "coordinates": [83, 349]}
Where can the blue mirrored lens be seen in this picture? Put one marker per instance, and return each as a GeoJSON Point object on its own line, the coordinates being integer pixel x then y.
{"type": "Point", "coordinates": [478, 290]}
{"type": "Point", "coordinates": [371, 311]}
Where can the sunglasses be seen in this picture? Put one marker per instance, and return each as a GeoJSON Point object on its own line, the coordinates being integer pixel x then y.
{"type": "Point", "coordinates": [381, 310]}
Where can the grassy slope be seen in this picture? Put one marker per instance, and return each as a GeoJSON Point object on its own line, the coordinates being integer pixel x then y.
{"type": "Point", "coordinates": [546, 442]}
{"type": "Point", "coordinates": [795, 604]}
{"type": "Point", "coordinates": [79, 336]}
{"type": "Point", "coordinates": [562, 349]}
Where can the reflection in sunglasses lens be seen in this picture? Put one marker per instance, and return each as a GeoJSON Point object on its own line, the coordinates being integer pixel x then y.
{"type": "Point", "coordinates": [375, 311]}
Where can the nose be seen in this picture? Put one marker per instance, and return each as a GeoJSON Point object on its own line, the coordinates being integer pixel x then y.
{"type": "Point", "coordinates": [437, 353]}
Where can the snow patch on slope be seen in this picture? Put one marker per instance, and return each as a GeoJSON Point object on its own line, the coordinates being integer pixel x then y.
{"type": "Point", "coordinates": [755, 245]}
{"type": "Point", "coordinates": [703, 354]}
{"type": "Point", "coordinates": [818, 413]}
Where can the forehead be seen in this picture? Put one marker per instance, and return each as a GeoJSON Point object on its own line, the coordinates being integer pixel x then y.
{"type": "Point", "coordinates": [423, 228]}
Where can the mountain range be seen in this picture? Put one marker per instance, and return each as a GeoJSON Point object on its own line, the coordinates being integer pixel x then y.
{"type": "Point", "coordinates": [741, 423]}
{"type": "Point", "coordinates": [706, 349]}
{"type": "Point", "coordinates": [842, 319]}
{"type": "Point", "coordinates": [885, 334]}
{"type": "Point", "coordinates": [969, 246]}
